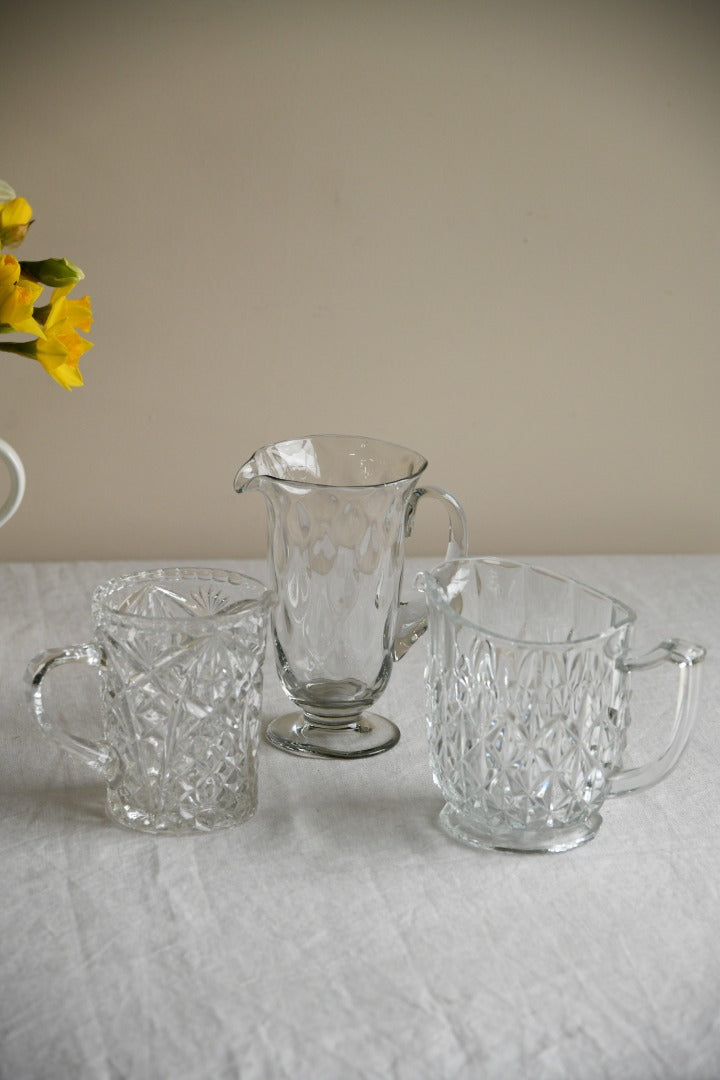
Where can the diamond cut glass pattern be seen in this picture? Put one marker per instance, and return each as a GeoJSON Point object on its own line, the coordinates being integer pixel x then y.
{"type": "Point", "coordinates": [180, 655]}
{"type": "Point", "coordinates": [182, 694]}
{"type": "Point", "coordinates": [524, 736]}
{"type": "Point", "coordinates": [528, 691]}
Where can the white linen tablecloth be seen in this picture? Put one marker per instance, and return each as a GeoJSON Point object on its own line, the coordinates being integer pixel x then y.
{"type": "Point", "coordinates": [340, 934]}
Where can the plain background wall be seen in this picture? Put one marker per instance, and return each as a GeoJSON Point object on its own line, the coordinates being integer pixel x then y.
{"type": "Point", "coordinates": [489, 231]}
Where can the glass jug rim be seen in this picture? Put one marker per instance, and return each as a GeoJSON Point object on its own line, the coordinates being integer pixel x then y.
{"type": "Point", "coordinates": [420, 461]}
{"type": "Point", "coordinates": [628, 616]}
{"type": "Point", "coordinates": [260, 596]}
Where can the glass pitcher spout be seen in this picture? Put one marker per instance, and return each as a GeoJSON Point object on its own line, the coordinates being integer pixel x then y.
{"type": "Point", "coordinates": [247, 478]}
{"type": "Point", "coordinates": [256, 468]}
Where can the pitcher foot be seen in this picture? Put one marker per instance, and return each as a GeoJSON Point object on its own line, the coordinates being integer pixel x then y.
{"type": "Point", "coordinates": [364, 736]}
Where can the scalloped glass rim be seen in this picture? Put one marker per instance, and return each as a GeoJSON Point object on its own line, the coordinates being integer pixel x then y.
{"type": "Point", "coordinates": [258, 596]}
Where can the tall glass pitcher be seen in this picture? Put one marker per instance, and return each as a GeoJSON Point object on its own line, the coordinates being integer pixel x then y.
{"type": "Point", "coordinates": [339, 510]}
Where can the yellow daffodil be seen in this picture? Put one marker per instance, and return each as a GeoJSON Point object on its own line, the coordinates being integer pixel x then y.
{"type": "Point", "coordinates": [15, 220]}
{"type": "Point", "coordinates": [17, 297]}
{"type": "Point", "coordinates": [57, 343]}
{"type": "Point", "coordinates": [63, 346]}
{"type": "Point", "coordinates": [59, 346]}
{"type": "Point", "coordinates": [60, 355]}
{"type": "Point", "coordinates": [61, 311]}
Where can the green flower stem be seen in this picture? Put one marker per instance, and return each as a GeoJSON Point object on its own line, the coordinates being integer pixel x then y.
{"type": "Point", "coordinates": [22, 348]}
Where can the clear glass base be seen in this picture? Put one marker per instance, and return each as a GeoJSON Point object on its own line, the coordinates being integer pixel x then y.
{"type": "Point", "coordinates": [550, 839]}
{"type": "Point", "coordinates": [364, 736]}
{"type": "Point", "coordinates": [180, 822]}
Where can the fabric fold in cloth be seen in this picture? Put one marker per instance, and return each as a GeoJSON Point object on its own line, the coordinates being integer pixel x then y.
{"type": "Point", "coordinates": [340, 933]}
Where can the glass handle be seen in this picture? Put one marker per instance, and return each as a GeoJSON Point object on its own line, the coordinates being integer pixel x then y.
{"type": "Point", "coordinates": [98, 755]}
{"type": "Point", "coordinates": [17, 481]}
{"type": "Point", "coordinates": [688, 659]}
{"type": "Point", "coordinates": [412, 614]}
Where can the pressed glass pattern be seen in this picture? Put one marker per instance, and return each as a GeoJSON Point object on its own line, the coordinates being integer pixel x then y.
{"type": "Point", "coordinates": [528, 692]}
{"type": "Point", "coordinates": [180, 654]}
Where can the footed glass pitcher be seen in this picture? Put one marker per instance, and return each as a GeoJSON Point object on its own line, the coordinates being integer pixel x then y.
{"type": "Point", "coordinates": [339, 510]}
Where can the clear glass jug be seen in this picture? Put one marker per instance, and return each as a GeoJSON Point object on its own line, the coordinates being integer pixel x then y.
{"type": "Point", "coordinates": [340, 508]}
{"type": "Point", "coordinates": [528, 691]}
{"type": "Point", "coordinates": [179, 653]}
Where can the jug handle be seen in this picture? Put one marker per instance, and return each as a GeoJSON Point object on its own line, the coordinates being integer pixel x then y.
{"type": "Point", "coordinates": [100, 756]}
{"type": "Point", "coordinates": [412, 614]}
{"type": "Point", "coordinates": [688, 659]}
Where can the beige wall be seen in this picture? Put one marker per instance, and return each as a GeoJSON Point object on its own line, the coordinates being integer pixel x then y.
{"type": "Point", "coordinates": [490, 231]}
